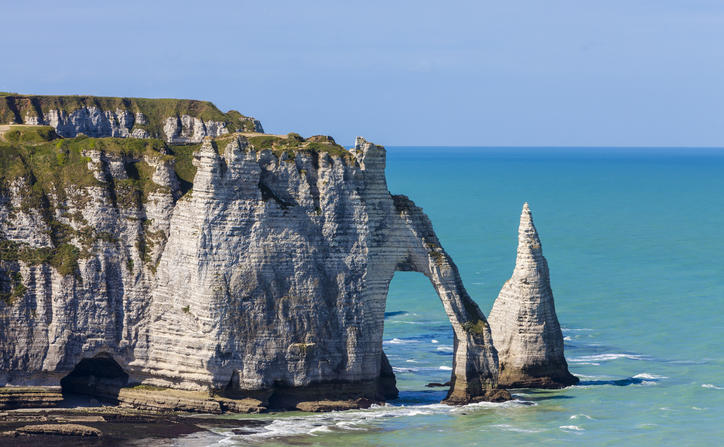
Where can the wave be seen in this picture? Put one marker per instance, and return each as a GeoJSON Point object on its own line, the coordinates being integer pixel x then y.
{"type": "Point", "coordinates": [649, 376]}
{"type": "Point", "coordinates": [353, 420]}
{"type": "Point", "coordinates": [578, 416]}
{"type": "Point", "coordinates": [571, 427]}
{"type": "Point", "coordinates": [445, 348]}
{"type": "Point", "coordinates": [508, 427]}
{"type": "Point", "coordinates": [404, 370]}
{"type": "Point", "coordinates": [445, 368]}
{"type": "Point", "coordinates": [606, 357]}
{"type": "Point", "coordinates": [567, 329]}
{"type": "Point", "coordinates": [399, 341]}
{"type": "Point", "coordinates": [434, 341]}
{"type": "Point", "coordinates": [711, 386]}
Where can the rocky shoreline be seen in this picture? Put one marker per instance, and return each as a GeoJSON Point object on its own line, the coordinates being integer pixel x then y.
{"type": "Point", "coordinates": [103, 425]}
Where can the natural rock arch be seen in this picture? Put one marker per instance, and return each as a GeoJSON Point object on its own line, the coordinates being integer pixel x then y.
{"type": "Point", "coordinates": [270, 275]}
{"type": "Point", "coordinates": [475, 361]}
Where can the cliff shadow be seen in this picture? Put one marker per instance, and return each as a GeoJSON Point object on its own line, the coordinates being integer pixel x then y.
{"type": "Point", "coordinates": [99, 377]}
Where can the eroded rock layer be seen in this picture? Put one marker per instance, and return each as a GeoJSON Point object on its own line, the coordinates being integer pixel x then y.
{"type": "Point", "coordinates": [173, 120]}
{"type": "Point", "coordinates": [523, 320]}
{"type": "Point", "coordinates": [266, 280]}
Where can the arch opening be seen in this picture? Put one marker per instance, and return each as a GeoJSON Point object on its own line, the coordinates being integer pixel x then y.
{"type": "Point", "coordinates": [99, 376]}
{"type": "Point", "coordinates": [418, 338]}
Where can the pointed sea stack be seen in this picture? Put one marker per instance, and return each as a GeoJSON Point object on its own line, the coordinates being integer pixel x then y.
{"type": "Point", "coordinates": [523, 320]}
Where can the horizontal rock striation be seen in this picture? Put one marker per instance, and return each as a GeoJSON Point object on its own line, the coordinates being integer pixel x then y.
{"type": "Point", "coordinates": [266, 280]}
{"type": "Point", "coordinates": [523, 320]}
{"type": "Point", "coordinates": [173, 120]}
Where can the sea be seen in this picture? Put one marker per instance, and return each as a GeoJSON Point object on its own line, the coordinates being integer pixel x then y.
{"type": "Point", "coordinates": [634, 239]}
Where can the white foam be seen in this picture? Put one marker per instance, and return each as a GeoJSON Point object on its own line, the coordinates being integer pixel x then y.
{"type": "Point", "coordinates": [567, 338]}
{"type": "Point", "coordinates": [398, 341]}
{"type": "Point", "coordinates": [508, 427]}
{"type": "Point", "coordinates": [445, 368]}
{"type": "Point", "coordinates": [571, 427]}
{"type": "Point", "coordinates": [711, 386]}
{"type": "Point", "coordinates": [404, 370]}
{"type": "Point", "coordinates": [352, 420]}
{"type": "Point", "coordinates": [320, 429]}
{"type": "Point", "coordinates": [434, 341]}
{"type": "Point", "coordinates": [445, 348]}
{"type": "Point", "coordinates": [605, 357]}
{"type": "Point", "coordinates": [578, 416]}
{"type": "Point", "coordinates": [649, 376]}
{"type": "Point", "coordinates": [411, 361]}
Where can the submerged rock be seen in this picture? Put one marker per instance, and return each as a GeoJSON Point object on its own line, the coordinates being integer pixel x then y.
{"type": "Point", "coordinates": [523, 320]}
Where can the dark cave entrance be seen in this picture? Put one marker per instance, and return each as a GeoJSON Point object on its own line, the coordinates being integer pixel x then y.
{"type": "Point", "coordinates": [418, 338]}
{"type": "Point", "coordinates": [100, 377]}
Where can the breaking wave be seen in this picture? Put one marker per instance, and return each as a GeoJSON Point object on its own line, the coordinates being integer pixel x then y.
{"type": "Point", "coordinates": [399, 341]}
{"type": "Point", "coordinates": [571, 427]}
{"type": "Point", "coordinates": [606, 357]}
{"type": "Point", "coordinates": [649, 376]}
{"type": "Point", "coordinates": [345, 421]}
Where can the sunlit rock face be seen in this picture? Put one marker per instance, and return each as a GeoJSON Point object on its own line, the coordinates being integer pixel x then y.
{"type": "Point", "coordinates": [176, 121]}
{"type": "Point", "coordinates": [523, 320]}
{"type": "Point", "coordinates": [267, 279]}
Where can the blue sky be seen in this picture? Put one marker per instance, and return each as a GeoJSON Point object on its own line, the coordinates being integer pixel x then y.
{"type": "Point", "coordinates": [553, 72]}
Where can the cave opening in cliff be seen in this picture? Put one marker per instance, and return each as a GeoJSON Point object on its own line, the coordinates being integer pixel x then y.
{"type": "Point", "coordinates": [99, 376]}
{"type": "Point", "coordinates": [418, 337]}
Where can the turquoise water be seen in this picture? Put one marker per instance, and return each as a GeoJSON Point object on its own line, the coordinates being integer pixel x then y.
{"type": "Point", "coordinates": [635, 243]}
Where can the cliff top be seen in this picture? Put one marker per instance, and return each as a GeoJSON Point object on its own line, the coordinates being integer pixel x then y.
{"type": "Point", "coordinates": [17, 108]}
{"type": "Point", "coordinates": [40, 155]}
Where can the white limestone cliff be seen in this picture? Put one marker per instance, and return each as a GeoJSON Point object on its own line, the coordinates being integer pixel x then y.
{"type": "Point", "coordinates": [175, 121]}
{"type": "Point", "coordinates": [268, 279]}
{"type": "Point", "coordinates": [523, 321]}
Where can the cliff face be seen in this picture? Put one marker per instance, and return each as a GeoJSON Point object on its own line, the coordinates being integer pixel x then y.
{"type": "Point", "coordinates": [267, 278]}
{"type": "Point", "coordinates": [173, 120]}
{"type": "Point", "coordinates": [523, 320]}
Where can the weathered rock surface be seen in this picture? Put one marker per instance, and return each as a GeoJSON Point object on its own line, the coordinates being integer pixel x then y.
{"type": "Point", "coordinates": [267, 280]}
{"type": "Point", "coordinates": [29, 397]}
{"type": "Point", "coordinates": [523, 320]}
{"type": "Point", "coordinates": [175, 121]}
{"type": "Point", "coordinates": [60, 429]}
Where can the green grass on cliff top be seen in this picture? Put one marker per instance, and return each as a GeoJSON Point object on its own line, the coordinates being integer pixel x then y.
{"type": "Point", "coordinates": [54, 172]}
{"type": "Point", "coordinates": [51, 164]}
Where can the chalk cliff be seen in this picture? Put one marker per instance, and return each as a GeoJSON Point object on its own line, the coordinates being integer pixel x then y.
{"type": "Point", "coordinates": [173, 120]}
{"type": "Point", "coordinates": [523, 320]}
{"type": "Point", "coordinates": [248, 267]}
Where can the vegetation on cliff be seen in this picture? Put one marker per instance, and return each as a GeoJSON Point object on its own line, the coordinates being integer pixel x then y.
{"type": "Point", "coordinates": [51, 174]}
